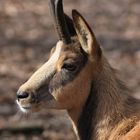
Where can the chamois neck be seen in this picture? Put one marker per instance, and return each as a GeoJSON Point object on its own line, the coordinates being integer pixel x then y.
{"type": "Point", "coordinates": [114, 105]}
{"type": "Point", "coordinates": [106, 106]}
{"type": "Point", "coordinates": [102, 106]}
{"type": "Point", "coordinates": [110, 102]}
{"type": "Point", "coordinates": [110, 92]}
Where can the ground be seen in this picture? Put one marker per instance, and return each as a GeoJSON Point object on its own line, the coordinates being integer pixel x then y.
{"type": "Point", "coordinates": [26, 36]}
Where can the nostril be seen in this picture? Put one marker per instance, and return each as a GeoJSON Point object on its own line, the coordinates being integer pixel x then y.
{"type": "Point", "coordinates": [22, 95]}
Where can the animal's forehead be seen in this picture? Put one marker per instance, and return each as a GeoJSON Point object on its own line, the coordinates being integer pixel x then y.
{"type": "Point", "coordinates": [74, 47]}
{"type": "Point", "coordinates": [72, 50]}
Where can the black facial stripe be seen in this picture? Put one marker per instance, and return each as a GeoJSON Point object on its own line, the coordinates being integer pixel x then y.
{"type": "Point", "coordinates": [64, 77]}
{"type": "Point", "coordinates": [85, 121]}
{"type": "Point", "coordinates": [43, 93]}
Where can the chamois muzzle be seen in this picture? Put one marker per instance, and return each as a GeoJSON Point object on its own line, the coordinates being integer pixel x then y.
{"type": "Point", "coordinates": [56, 7]}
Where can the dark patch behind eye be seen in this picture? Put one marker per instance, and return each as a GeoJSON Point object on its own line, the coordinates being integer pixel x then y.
{"type": "Point", "coordinates": [64, 77]}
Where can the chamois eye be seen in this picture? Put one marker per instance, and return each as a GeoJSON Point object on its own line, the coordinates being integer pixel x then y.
{"type": "Point", "coordinates": [69, 67]}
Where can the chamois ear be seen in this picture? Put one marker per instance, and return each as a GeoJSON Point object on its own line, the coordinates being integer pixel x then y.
{"type": "Point", "coordinates": [86, 36]}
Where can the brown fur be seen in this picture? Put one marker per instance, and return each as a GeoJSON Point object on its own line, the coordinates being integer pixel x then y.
{"type": "Point", "coordinates": [112, 114]}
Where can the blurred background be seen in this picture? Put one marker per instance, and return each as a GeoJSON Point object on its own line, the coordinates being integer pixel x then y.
{"type": "Point", "coordinates": [27, 35]}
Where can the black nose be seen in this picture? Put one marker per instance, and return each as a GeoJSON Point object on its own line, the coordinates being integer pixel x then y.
{"type": "Point", "coordinates": [22, 95]}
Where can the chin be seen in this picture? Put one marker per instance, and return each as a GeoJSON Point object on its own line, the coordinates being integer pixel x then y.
{"type": "Point", "coordinates": [28, 108]}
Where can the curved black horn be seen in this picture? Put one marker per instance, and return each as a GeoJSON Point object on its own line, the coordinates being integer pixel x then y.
{"type": "Point", "coordinates": [60, 22]}
{"type": "Point", "coordinates": [52, 8]}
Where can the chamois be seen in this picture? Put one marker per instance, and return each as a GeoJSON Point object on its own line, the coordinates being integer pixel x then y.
{"type": "Point", "coordinates": [78, 78]}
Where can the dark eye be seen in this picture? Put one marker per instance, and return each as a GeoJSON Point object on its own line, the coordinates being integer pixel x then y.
{"type": "Point", "coordinates": [69, 67]}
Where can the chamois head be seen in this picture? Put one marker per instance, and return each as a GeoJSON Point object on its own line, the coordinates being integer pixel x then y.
{"type": "Point", "coordinates": [64, 81]}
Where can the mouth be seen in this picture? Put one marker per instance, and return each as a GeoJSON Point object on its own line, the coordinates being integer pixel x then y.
{"type": "Point", "coordinates": [24, 108]}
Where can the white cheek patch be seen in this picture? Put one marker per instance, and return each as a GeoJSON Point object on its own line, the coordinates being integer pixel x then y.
{"type": "Point", "coordinates": [46, 70]}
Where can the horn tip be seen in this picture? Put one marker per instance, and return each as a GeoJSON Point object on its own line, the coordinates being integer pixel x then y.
{"type": "Point", "coordinates": [75, 13]}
